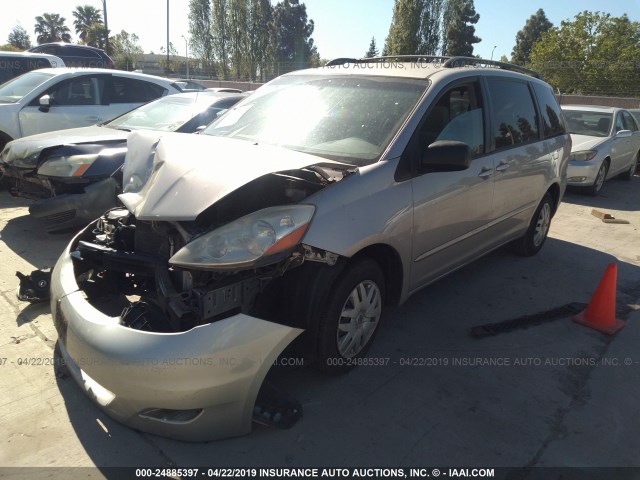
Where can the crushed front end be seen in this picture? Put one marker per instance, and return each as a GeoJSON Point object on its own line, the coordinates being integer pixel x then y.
{"type": "Point", "coordinates": [171, 312]}
{"type": "Point", "coordinates": [168, 351]}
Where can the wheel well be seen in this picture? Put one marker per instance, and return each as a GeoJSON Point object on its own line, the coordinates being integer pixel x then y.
{"type": "Point", "coordinates": [554, 191]}
{"type": "Point", "coordinates": [4, 139]}
{"type": "Point", "coordinates": [391, 264]}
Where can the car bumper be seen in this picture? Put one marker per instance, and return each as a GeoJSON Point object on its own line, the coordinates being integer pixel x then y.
{"type": "Point", "coordinates": [582, 173]}
{"type": "Point", "coordinates": [197, 385]}
{"type": "Point", "coordinates": [76, 209]}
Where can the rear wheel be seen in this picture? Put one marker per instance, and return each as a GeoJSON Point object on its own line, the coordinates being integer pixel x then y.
{"type": "Point", "coordinates": [349, 320]}
{"type": "Point", "coordinates": [532, 241]}
{"type": "Point", "coordinates": [628, 175]}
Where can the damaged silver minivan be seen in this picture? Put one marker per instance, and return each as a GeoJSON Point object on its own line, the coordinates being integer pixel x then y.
{"type": "Point", "coordinates": [326, 195]}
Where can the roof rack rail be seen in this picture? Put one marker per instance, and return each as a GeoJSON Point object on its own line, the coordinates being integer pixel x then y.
{"type": "Point", "coordinates": [460, 61]}
{"type": "Point", "coordinates": [447, 62]}
{"type": "Point", "coordinates": [400, 58]}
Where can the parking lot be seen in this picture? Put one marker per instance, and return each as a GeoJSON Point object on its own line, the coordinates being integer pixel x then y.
{"type": "Point", "coordinates": [553, 394]}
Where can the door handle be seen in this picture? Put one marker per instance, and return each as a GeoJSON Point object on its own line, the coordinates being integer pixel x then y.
{"type": "Point", "coordinates": [485, 172]}
{"type": "Point", "coordinates": [502, 166]}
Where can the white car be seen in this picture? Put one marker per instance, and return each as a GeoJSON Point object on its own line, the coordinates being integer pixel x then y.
{"type": "Point", "coordinates": [606, 143]}
{"type": "Point", "coordinates": [59, 98]}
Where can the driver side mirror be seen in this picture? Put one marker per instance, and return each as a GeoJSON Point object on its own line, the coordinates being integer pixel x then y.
{"type": "Point", "coordinates": [446, 156]}
{"type": "Point", "coordinates": [623, 133]}
{"type": "Point", "coordinates": [45, 103]}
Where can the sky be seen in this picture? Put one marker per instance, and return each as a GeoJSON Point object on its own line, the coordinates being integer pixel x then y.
{"type": "Point", "coordinates": [343, 28]}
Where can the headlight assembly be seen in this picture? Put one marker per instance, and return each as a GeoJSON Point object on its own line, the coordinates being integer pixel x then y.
{"type": "Point", "coordinates": [244, 241]}
{"type": "Point", "coordinates": [583, 155]}
{"type": "Point", "coordinates": [67, 166]}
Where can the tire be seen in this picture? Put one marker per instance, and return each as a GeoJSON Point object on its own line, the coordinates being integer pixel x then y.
{"type": "Point", "coordinates": [345, 331]}
{"type": "Point", "coordinates": [628, 175]}
{"type": "Point", "coordinates": [601, 176]}
{"type": "Point", "coordinates": [533, 240]}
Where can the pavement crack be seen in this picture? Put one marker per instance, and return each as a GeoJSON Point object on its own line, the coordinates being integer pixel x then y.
{"type": "Point", "coordinates": [168, 461]}
{"type": "Point", "coordinates": [579, 392]}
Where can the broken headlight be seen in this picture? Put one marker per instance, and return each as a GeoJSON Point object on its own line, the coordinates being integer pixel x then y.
{"type": "Point", "coordinates": [242, 242]}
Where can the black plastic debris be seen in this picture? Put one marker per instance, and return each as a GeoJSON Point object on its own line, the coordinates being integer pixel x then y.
{"type": "Point", "coordinates": [275, 408]}
{"type": "Point", "coordinates": [34, 288]}
{"type": "Point", "coordinates": [526, 321]}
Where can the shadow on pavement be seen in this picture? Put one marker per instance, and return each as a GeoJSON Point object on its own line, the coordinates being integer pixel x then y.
{"type": "Point", "coordinates": [31, 242]}
{"type": "Point", "coordinates": [615, 195]}
{"type": "Point", "coordinates": [429, 393]}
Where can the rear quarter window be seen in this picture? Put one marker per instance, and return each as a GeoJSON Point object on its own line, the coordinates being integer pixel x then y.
{"type": "Point", "coordinates": [552, 120]}
{"type": "Point", "coordinates": [129, 90]}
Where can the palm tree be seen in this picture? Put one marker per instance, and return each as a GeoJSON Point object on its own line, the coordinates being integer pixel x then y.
{"type": "Point", "coordinates": [50, 27]}
{"type": "Point", "coordinates": [86, 17]}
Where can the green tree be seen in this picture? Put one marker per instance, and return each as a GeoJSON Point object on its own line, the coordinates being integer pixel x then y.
{"type": "Point", "coordinates": [238, 35]}
{"type": "Point", "coordinates": [97, 36]}
{"type": "Point", "coordinates": [593, 54]}
{"type": "Point", "coordinates": [293, 30]}
{"type": "Point", "coordinates": [403, 38]}
{"type": "Point", "coordinates": [430, 31]}
{"type": "Point", "coordinates": [19, 38]}
{"type": "Point", "coordinates": [415, 28]}
{"type": "Point", "coordinates": [125, 50]}
{"type": "Point", "coordinates": [86, 16]}
{"type": "Point", "coordinates": [200, 36]}
{"type": "Point", "coordinates": [373, 49]}
{"type": "Point", "coordinates": [9, 48]}
{"type": "Point", "coordinates": [50, 27]}
{"type": "Point", "coordinates": [532, 31]}
{"type": "Point", "coordinates": [260, 38]}
{"type": "Point", "coordinates": [459, 32]}
{"type": "Point", "coordinates": [220, 32]}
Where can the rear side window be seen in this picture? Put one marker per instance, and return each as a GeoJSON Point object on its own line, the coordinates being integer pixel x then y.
{"type": "Point", "coordinates": [514, 115]}
{"type": "Point", "coordinates": [50, 49]}
{"type": "Point", "coordinates": [552, 121]}
{"type": "Point", "coordinates": [81, 52]}
{"type": "Point", "coordinates": [129, 90]}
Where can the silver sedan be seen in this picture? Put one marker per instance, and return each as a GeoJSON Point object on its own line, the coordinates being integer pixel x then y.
{"type": "Point", "coordinates": [606, 143]}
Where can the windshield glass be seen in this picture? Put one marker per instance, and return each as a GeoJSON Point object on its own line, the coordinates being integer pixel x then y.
{"type": "Point", "coordinates": [13, 90]}
{"type": "Point", "coordinates": [166, 114]}
{"type": "Point", "coordinates": [346, 118]}
{"type": "Point", "coordinates": [594, 124]}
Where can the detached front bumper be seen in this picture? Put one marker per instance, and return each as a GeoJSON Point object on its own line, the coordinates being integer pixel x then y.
{"type": "Point", "coordinates": [583, 174]}
{"type": "Point", "coordinates": [197, 385]}
{"type": "Point", "coordinates": [76, 209]}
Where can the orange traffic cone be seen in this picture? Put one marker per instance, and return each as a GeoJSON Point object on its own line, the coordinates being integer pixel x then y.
{"type": "Point", "coordinates": [601, 311]}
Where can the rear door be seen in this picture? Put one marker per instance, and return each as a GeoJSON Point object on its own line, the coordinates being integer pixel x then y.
{"type": "Point", "coordinates": [621, 146]}
{"type": "Point", "coordinates": [522, 162]}
{"type": "Point", "coordinates": [451, 209]}
{"type": "Point", "coordinates": [75, 102]}
{"type": "Point", "coordinates": [125, 93]}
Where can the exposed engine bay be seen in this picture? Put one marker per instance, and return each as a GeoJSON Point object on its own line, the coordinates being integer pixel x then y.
{"type": "Point", "coordinates": [122, 263]}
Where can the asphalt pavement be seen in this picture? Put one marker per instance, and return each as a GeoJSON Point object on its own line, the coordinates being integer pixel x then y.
{"type": "Point", "coordinates": [552, 394]}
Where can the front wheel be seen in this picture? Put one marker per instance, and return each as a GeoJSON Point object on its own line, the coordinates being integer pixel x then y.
{"type": "Point", "coordinates": [349, 321]}
{"type": "Point", "coordinates": [533, 240]}
{"type": "Point", "coordinates": [599, 181]}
